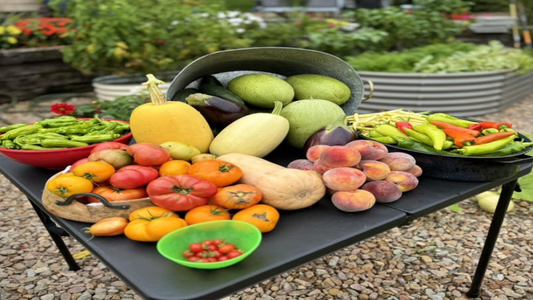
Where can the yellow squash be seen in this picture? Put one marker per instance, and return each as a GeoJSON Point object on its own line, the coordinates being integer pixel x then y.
{"type": "Point", "coordinates": [162, 121]}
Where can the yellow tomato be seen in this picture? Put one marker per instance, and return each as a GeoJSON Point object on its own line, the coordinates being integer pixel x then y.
{"type": "Point", "coordinates": [151, 224]}
{"type": "Point", "coordinates": [65, 186]}
{"type": "Point", "coordinates": [174, 167]}
{"type": "Point", "coordinates": [96, 171]}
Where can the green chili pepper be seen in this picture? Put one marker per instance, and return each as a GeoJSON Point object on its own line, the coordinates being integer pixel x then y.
{"type": "Point", "coordinates": [20, 131]}
{"type": "Point", "coordinates": [436, 134]}
{"type": "Point", "coordinates": [109, 128]}
{"type": "Point", "coordinates": [62, 143]}
{"type": "Point", "coordinates": [489, 131]}
{"type": "Point", "coordinates": [26, 139]}
{"type": "Point", "coordinates": [35, 147]}
{"type": "Point", "coordinates": [8, 144]}
{"type": "Point", "coordinates": [96, 138]}
{"type": "Point", "coordinates": [508, 130]}
{"type": "Point", "coordinates": [511, 148]}
{"type": "Point", "coordinates": [385, 139]}
{"type": "Point", "coordinates": [411, 144]}
{"type": "Point", "coordinates": [389, 130]}
{"type": "Point", "coordinates": [11, 127]}
{"type": "Point", "coordinates": [484, 148]}
{"type": "Point", "coordinates": [442, 117]}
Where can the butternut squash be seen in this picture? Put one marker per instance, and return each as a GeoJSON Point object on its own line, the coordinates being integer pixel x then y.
{"type": "Point", "coordinates": [282, 188]}
{"type": "Point", "coordinates": [163, 121]}
{"type": "Point", "coordinates": [256, 134]}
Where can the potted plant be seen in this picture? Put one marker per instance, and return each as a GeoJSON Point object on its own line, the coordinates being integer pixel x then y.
{"type": "Point", "coordinates": [138, 37]}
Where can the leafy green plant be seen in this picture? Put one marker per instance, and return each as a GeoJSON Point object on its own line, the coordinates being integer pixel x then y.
{"type": "Point", "coordinates": [144, 36]}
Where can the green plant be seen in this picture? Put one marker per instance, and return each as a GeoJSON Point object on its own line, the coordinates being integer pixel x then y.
{"type": "Point", "coordinates": [144, 36]}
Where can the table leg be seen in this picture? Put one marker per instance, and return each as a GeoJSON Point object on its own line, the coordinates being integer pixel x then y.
{"type": "Point", "coordinates": [56, 233]}
{"type": "Point", "coordinates": [492, 236]}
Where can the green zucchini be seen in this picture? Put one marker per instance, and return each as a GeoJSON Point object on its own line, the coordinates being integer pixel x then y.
{"type": "Point", "coordinates": [220, 91]}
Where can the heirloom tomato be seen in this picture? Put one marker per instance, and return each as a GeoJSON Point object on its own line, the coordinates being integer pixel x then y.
{"type": "Point", "coordinates": [146, 154]}
{"type": "Point", "coordinates": [150, 224]}
{"type": "Point", "coordinates": [174, 167]}
{"type": "Point", "coordinates": [218, 172]}
{"type": "Point", "coordinates": [113, 194]}
{"type": "Point", "coordinates": [262, 216]}
{"type": "Point", "coordinates": [206, 213]}
{"type": "Point", "coordinates": [108, 227]}
{"type": "Point", "coordinates": [118, 158]}
{"type": "Point", "coordinates": [238, 196]}
{"type": "Point", "coordinates": [65, 186]}
{"type": "Point", "coordinates": [133, 176]}
{"type": "Point", "coordinates": [180, 192]}
{"type": "Point", "coordinates": [95, 171]}
{"type": "Point", "coordinates": [108, 145]}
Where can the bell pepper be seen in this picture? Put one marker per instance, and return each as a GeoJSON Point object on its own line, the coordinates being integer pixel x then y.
{"type": "Point", "coordinates": [482, 149]}
{"type": "Point", "coordinates": [450, 119]}
{"type": "Point", "coordinates": [404, 125]}
{"type": "Point", "coordinates": [437, 135]}
{"type": "Point", "coordinates": [497, 125]}
{"type": "Point", "coordinates": [444, 125]}
{"type": "Point", "coordinates": [150, 224]}
{"type": "Point", "coordinates": [493, 137]}
{"type": "Point", "coordinates": [460, 137]}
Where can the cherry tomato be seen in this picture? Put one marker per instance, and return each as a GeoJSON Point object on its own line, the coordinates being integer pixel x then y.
{"type": "Point", "coordinates": [234, 253]}
{"type": "Point", "coordinates": [223, 258]}
{"type": "Point", "coordinates": [227, 248]}
{"type": "Point", "coordinates": [188, 254]}
{"type": "Point", "coordinates": [196, 247]}
{"type": "Point", "coordinates": [193, 258]}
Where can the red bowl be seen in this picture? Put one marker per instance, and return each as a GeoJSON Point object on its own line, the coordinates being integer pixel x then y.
{"type": "Point", "coordinates": [57, 159]}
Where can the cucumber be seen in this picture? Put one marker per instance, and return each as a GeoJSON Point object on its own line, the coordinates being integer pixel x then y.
{"type": "Point", "coordinates": [220, 91]}
{"type": "Point", "coordinates": [183, 94]}
{"type": "Point", "coordinates": [210, 79]}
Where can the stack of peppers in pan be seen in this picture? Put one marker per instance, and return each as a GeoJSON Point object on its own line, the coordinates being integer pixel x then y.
{"type": "Point", "coordinates": [448, 135]}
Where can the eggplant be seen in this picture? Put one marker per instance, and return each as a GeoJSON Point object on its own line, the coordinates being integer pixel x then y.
{"type": "Point", "coordinates": [331, 135]}
{"type": "Point", "coordinates": [216, 110]}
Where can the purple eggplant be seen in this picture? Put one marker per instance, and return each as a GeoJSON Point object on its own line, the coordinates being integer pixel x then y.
{"type": "Point", "coordinates": [331, 135]}
{"type": "Point", "coordinates": [216, 110]}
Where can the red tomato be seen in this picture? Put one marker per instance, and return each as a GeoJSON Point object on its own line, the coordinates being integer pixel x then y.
{"type": "Point", "coordinates": [180, 192]}
{"type": "Point", "coordinates": [109, 145]}
{"type": "Point", "coordinates": [133, 176]}
{"type": "Point", "coordinates": [147, 154]}
{"type": "Point", "coordinates": [234, 253]}
{"type": "Point", "coordinates": [196, 247]}
{"type": "Point", "coordinates": [227, 248]}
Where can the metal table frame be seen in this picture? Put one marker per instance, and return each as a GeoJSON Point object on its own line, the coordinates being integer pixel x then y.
{"type": "Point", "coordinates": [300, 237]}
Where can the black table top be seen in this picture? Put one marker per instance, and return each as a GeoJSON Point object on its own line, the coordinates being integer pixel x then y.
{"type": "Point", "coordinates": [300, 237]}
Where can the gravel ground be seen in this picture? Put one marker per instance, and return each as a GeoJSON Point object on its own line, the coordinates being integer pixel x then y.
{"type": "Point", "coordinates": [432, 258]}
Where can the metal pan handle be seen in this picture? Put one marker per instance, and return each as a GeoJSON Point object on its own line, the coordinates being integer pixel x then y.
{"type": "Point", "coordinates": [520, 159]}
{"type": "Point", "coordinates": [371, 93]}
{"type": "Point", "coordinates": [99, 197]}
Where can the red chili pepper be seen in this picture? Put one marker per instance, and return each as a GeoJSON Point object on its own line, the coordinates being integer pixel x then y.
{"type": "Point", "coordinates": [460, 137]}
{"type": "Point", "coordinates": [444, 125]}
{"type": "Point", "coordinates": [476, 127]}
{"type": "Point", "coordinates": [496, 125]}
{"type": "Point", "coordinates": [493, 137]}
{"type": "Point", "coordinates": [403, 125]}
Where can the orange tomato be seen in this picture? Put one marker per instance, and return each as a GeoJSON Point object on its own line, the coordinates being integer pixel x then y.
{"type": "Point", "coordinates": [95, 171]}
{"type": "Point", "coordinates": [206, 213]}
{"type": "Point", "coordinates": [219, 172]}
{"type": "Point", "coordinates": [238, 196]}
{"type": "Point", "coordinates": [151, 223]}
{"type": "Point", "coordinates": [262, 216]}
{"type": "Point", "coordinates": [174, 167]}
{"type": "Point", "coordinates": [108, 227]}
{"type": "Point", "coordinates": [65, 186]}
{"type": "Point", "coordinates": [113, 194]}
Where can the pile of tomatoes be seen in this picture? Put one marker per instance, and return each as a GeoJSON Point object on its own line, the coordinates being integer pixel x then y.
{"type": "Point", "coordinates": [202, 191]}
{"type": "Point", "coordinates": [211, 251]}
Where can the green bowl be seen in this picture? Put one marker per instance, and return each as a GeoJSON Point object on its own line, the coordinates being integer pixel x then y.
{"type": "Point", "coordinates": [244, 235]}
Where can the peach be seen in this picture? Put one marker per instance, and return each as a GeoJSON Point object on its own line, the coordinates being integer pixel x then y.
{"type": "Point", "coordinates": [384, 191]}
{"type": "Point", "coordinates": [405, 180]}
{"type": "Point", "coordinates": [340, 156]}
{"type": "Point", "coordinates": [313, 153]}
{"type": "Point", "coordinates": [343, 178]}
{"type": "Point", "coordinates": [369, 150]}
{"type": "Point", "coordinates": [399, 161]}
{"type": "Point", "coordinates": [320, 167]}
{"type": "Point", "coordinates": [374, 169]}
{"type": "Point", "coordinates": [415, 170]}
{"type": "Point", "coordinates": [353, 201]}
{"type": "Point", "coordinates": [302, 164]}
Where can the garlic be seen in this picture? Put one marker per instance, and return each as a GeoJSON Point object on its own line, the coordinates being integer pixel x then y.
{"type": "Point", "coordinates": [489, 200]}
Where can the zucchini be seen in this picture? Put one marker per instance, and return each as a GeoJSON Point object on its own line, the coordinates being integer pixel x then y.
{"type": "Point", "coordinates": [219, 91]}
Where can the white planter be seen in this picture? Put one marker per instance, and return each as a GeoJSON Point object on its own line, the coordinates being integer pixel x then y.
{"type": "Point", "coordinates": [113, 86]}
{"type": "Point", "coordinates": [20, 5]}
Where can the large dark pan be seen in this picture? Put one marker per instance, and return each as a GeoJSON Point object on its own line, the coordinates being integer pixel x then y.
{"type": "Point", "coordinates": [468, 168]}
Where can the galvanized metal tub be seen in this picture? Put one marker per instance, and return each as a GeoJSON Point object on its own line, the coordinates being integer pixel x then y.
{"type": "Point", "coordinates": [280, 61]}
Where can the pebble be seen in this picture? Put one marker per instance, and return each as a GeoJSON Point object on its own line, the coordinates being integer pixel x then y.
{"type": "Point", "coordinates": [433, 258]}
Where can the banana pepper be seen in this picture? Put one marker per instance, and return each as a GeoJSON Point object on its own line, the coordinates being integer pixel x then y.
{"type": "Point", "coordinates": [436, 134]}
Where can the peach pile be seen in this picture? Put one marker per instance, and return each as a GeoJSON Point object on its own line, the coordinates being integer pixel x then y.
{"type": "Point", "coordinates": [361, 173]}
